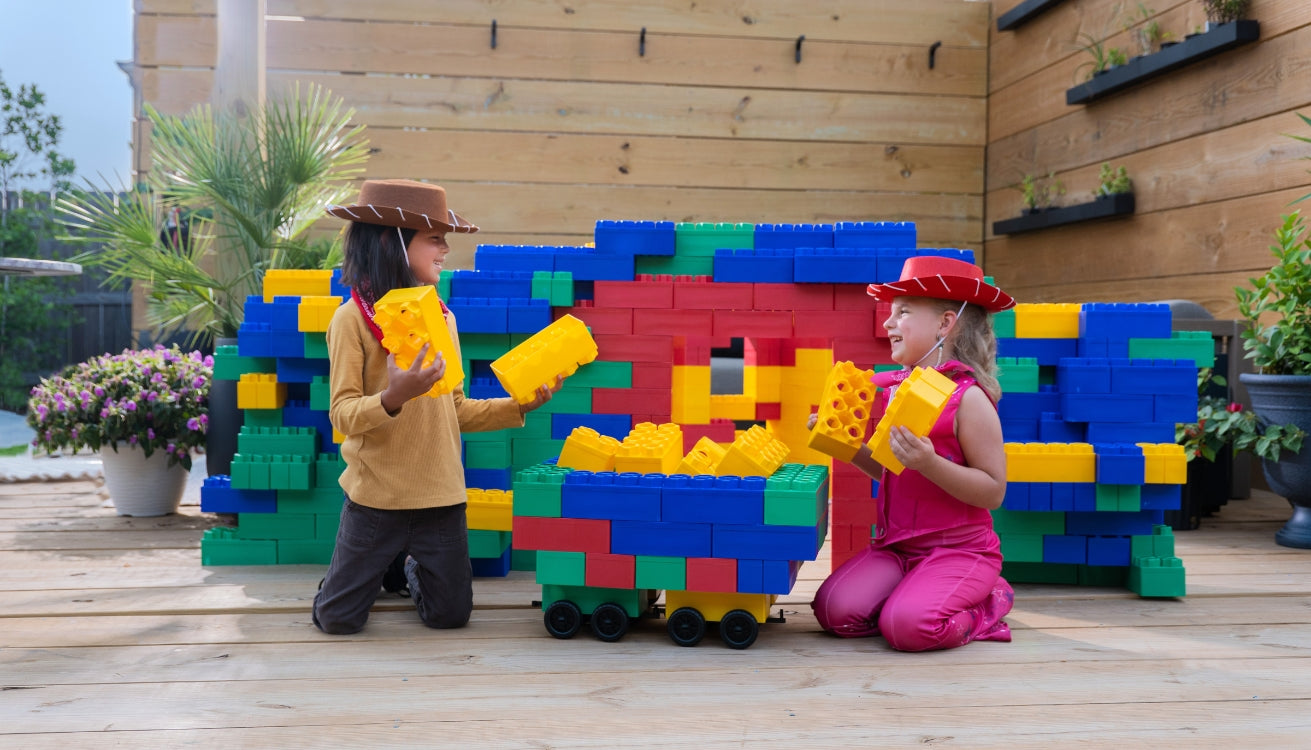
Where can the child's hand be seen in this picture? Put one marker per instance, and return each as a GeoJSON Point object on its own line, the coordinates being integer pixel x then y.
{"type": "Point", "coordinates": [416, 380]}
{"type": "Point", "coordinates": [811, 420]}
{"type": "Point", "coordinates": [912, 451]}
{"type": "Point", "coordinates": [542, 395]}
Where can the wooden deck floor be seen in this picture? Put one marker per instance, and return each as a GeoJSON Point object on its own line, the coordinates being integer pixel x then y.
{"type": "Point", "coordinates": [113, 635]}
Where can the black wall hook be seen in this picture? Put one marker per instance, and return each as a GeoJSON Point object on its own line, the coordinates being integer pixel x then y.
{"type": "Point", "coordinates": [800, 39]}
{"type": "Point", "coordinates": [933, 50]}
{"type": "Point", "coordinates": [641, 43]}
{"type": "Point", "coordinates": [493, 33]}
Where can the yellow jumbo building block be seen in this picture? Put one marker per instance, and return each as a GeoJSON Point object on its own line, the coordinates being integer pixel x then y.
{"type": "Point", "coordinates": [556, 350]}
{"type": "Point", "coordinates": [734, 406]}
{"type": "Point", "coordinates": [283, 282]}
{"type": "Point", "coordinates": [844, 410]}
{"type": "Point", "coordinates": [261, 390]}
{"type": "Point", "coordinates": [1050, 462]}
{"type": "Point", "coordinates": [1047, 321]}
{"type": "Point", "coordinates": [703, 458]}
{"type": "Point", "coordinates": [588, 450]}
{"type": "Point", "coordinates": [764, 383]}
{"type": "Point", "coordinates": [754, 453]}
{"type": "Point", "coordinates": [916, 405]}
{"type": "Point", "coordinates": [1164, 463]}
{"type": "Point", "coordinates": [489, 510]}
{"type": "Point", "coordinates": [713, 606]}
{"type": "Point", "coordinates": [651, 449]}
{"type": "Point", "coordinates": [410, 318]}
{"type": "Point", "coordinates": [315, 313]}
{"type": "Point", "coordinates": [691, 394]}
{"type": "Point", "coordinates": [813, 363]}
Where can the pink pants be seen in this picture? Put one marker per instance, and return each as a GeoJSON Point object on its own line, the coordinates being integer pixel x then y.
{"type": "Point", "coordinates": [919, 599]}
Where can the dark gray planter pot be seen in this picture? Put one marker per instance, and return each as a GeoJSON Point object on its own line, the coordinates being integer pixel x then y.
{"type": "Point", "coordinates": [1284, 399]}
{"type": "Point", "coordinates": [225, 421]}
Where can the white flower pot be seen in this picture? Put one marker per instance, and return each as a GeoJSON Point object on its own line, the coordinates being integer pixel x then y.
{"type": "Point", "coordinates": [141, 486]}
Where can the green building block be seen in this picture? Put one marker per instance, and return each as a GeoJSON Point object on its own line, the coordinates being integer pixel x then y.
{"type": "Point", "coordinates": [281, 441]}
{"type": "Point", "coordinates": [562, 289]}
{"type": "Point", "coordinates": [1103, 575]}
{"type": "Point", "coordinates": [220, 546]}
{"type": "Point", "coordinates": [320, 393]}
{"type": "Point", "coordinates": [668, 573]}
{"type": "Point", "coordinates": [250, 472]}
{"type": "Point", "coordinates": [571, 399]}
{"type": "Point", "coordinates": [1119, 497]}
{"type": "Point", "coordinates": [529, 451]}
{"type": "Point", "coordinates": [887, 368]}
{"type": "Point", "coordinates": [324, 500]}
{"type": "Point", "coordinates": [491, 436]}
{"type": "Point", "coordinates": [444, 285]}
{"type": "Point", "coordinates": [634, 601]}
{"type": "Point", "coordinates": [261, 417]}
{"type": "Point", "coordinates": [1022, 547]}
{"type": "Point", "coordinates": [1003, 324]}
{"type": "Point", "coordinates": [1028, 522]}
{"type": "Point", "coordinates": [523, 559]}
{"type": "Point", "coordinates": [535, 425]}
{"type": "Point", "coordinates": [327, 470]}
{"type": "Point", "coordinates": [316, 345]}
{"type": "Point", "coordinates": [228, 365]}
{"type": "Point", "coordinates": [275, 526]}
{"type": "Point", "coordinates": [487, 454]}
{"type": "Point", "coordinates": [1017, 374]}
{"type": "Point", "coordinates": [796, 495]}
{"type": "Point", "coordinates": [1160, 543]}
{"type": "Point", "coordinates": [1157, 577]}
{"type": "Point", "coordinates": [304, 551]}
{"type": "Point", "coordinates": [1198, 346]}
{"type": "Point", "coordinates": [537, 491]}
{"type": "Point", "coordinates": [603, 374]}
{"type": "Point", "coordinates": [1039, 572]}
{"type": "Point", "coordinates": [486, 543]}
{"type": "Point", "coordinates": [561, 568]}
{"type": "Point", "coordinates": [703, 239]}
{"type": "Point", "coordinates": [488, 346]}
{"type": "Point", "coordinates": [326, 525]}
{"type": "Point", "coordinates": [541, 288]}
{"type": "Point", "coordinates": [291, 473]}
{"type": "Point", "coordinates": [674, 265]}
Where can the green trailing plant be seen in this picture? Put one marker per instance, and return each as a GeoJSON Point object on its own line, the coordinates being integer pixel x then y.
{"type": "Point", "coordinates": [1095, 48]}
{"type": "Point", "coordinates": [1221, 422]}
{"type": "Point", "coordinates": [1116, 57]}
{"type": "Point", "coordinates": [1277, 306]}
{"type": "Point", "coordinates": [1225, 11]}
{"type": "Point", "coordinates": [1037, 194]}
{"type": "Point", "coordinates": [241, 193]}
{"type": "Point", "coordinates": [1113, 181]}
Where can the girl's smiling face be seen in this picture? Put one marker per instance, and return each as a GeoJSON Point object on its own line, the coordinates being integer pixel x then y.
{"type": "Point", "coordinates": [913, 328]}
{"type": "Point", "coordinates": [428, 251]}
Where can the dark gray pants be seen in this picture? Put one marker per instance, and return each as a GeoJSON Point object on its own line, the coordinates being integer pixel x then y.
{"type": "Point", "coordinates": [441, 578]}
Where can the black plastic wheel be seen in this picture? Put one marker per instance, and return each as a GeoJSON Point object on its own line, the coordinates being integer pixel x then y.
{"type": "Point", "coordinates": [563, 619]}
{"type": "Point", "coordinates": [609, 622]}
{"type": "Point", "coordinates": [686, 626]}
{"type": "Point", "coordinates": [739, 629]}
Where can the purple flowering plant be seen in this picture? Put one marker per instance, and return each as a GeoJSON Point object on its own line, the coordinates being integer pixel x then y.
{"type": "Point", "coordinates": [153, 399]}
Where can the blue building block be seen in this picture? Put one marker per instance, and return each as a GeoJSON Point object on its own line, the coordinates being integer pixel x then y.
{"type": "Point", "coordinates": [1017, 496]}
{"type": "Point", "coordinates": [612, 496]}
{"type": "Point", "coordinates": [874, 234]}
{"type": "Point", "coordinates": [492, 567]}
{"type": "Point", "coordinates": [255, 339]}
{"type": "Point", "coordinates": [767, 576]}
{"type": "Point", "coordinates": [336, 288]}
{"type": "Point", "coordinates": [661, 538]}
{"type": "Point", "coordinates": [1161, 496]}
{"type": "Point", "coordinates": [616, 426]}
{"type": "Point", "coordinates": [485, 388]}
{"type": "Point", "coordinates": [299, 414]}
{"type": "Point", "coordinates": [965, 255]}
{"type": "Point", "coordinates": [1068, 549]}
{"type": "Point", "coordinates": [711, 499]}
{"type": "Point", "coordinates": [1120, 322]}
{"type": "Point", "coordinates": [527, 315]}
{"type": "Point", "coordinates": [480, 314]}
{"type": "Point", "coordinates": [1046, 351]}
{"type": "Point", "coordinates": [285, 314]}
{"type": "Point", "coordinates": [793, 235]}
{"type": "Point", "coordinates": [522, 258]}
{"type": "Point", "coordinates": [1084, 375]}
{"type": "Point", "coordinates": [291, 345]}
{"type": "Point", "coordinates": [292, 369]}
{"type": "Point", "coordinates": [1040, 496]}
{"type": "Point", "coordinates": [1131, 432]}
{"type": "Point", "coordinates": [488, 479]}
{"type": "Point", "coordinates": [634, 237]}
{"type": "Point", "coordinates": [1174, 408]}
{"type": "Point", "coordinates": [256, 310]}
{"type": "Point", "coordinates": [217, 495]}
{"type": "Point", "coordinates": [1120, 463]}
{"type": "Point", "coordinates": [1052, 428]}
{"type": "Point", "coordinates": [890, 260]}
{"type": "Point", "coordinates": [1109, 550]}
{"type": "Point", "coordinates": [1154, 376]}
{"type": "Point", "coordinates": [833, 264]}
{"type": "Point", "coordinates": [586, 264]}
{"type": "Point", "coordinates": [1095, 407]}
{"type": "Point", "coordinates": [1103, 348]}
{"type": "Point", "coordinates": [1063, 496]}
{"type": "Point", "coordinates": [1111, 523]}
{"type": "Point", "coordinates": [1030, 406]}
{"type": "Point", "coordinates": [1085, 496]}
{"type": "Point", "coordinates": [766, 542]}
{"type": "Point", "coordinates": [509, 284]}
{"type": "Point", "coordinates": [1020, 430]}
{"type": "Point", "coordinates": [766, 265]}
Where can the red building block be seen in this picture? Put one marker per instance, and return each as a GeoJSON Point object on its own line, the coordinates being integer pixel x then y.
{"type": "Point", "coordinates": [694, 350]}
{"type": "Point", "coordinates": [768, 410]}
{"type": "Point", "coordinates": [700, 293]}
{"type": "Point", "coordinates": [610, 571]}
{"type": "Point", "coordinates": [852, 297]}
{"type": "Point", "coordinates": [719, 430]}
{"type": "Point", "coordinates": [795, 296]}
{"type": "Point", "coordinates": [653, 375]}
{"type": "Point", "coordinates": [761, 352]}
{"type": "Point", "coordinates": [846, 323]}
{"type": "Point", "coordinates": [561, 534]}
{"type": "Point", "coordinates": [673, 322]}
{"type": "Point", "coordinates": [745, 323]}
{"type": "Point", "coordinates": [633, 348]}
{"type": "Point", "coordinates": [631, 401]}
{"type": "Point", "coordinates": [863, 352]}
{"type": "Point", "coordinates": [613, 320]}
{"type": "Point", "coordinates": [645, 292]}
{"type": "Point", "coordinates": [711, 574]}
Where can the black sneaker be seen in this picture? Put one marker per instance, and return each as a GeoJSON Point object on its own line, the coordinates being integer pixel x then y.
{"type": "Point", "coordinates": [394, 581]}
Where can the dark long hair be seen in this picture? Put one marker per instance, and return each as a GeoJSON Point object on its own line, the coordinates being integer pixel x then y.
{"type": "Point", "coordinates": [374, 261]}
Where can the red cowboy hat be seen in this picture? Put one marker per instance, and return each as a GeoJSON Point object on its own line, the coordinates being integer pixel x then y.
{"type": "Point", "coordinates": [943, 278]}
{"type": "Point", "coordinates": [403, 203]}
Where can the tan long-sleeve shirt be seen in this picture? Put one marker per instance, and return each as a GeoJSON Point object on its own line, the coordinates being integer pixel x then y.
{"type": "Point", "coordinates": [411, 460]}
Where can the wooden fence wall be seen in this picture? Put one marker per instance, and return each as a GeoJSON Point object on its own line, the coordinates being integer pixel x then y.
{"type": "Point", "coordinates": [1206, 147]}
{"type": "Point", "coordinates": [566, 122]}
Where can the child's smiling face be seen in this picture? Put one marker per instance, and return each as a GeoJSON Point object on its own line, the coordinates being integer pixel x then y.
{"type": "Point", "coordinates": [428, 251]}
{"type": "Point", "coordinates": [913, 328]}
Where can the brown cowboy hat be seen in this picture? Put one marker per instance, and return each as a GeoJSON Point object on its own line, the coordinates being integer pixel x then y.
{"type": "Point", "coordinates": [943, 278]}
{"type": "Point", "coordinates": [403, 203]}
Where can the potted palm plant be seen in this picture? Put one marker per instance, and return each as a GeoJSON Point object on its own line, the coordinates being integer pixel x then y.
{"type": "Point", "coordinates": [1277, 309]}
{"type": "Point", "coordinates": [227, 198]}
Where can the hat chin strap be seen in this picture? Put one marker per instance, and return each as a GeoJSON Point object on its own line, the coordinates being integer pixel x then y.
{"type": "Point", "coordinates": [404, 249]}
{"type": "Point", "coordinates": [941, 339]}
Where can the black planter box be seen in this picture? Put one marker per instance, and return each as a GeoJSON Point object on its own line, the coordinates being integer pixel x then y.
{"type": "Point", "coordinates": [1102, 208]}
{"type": "Point", "coordinates": [1023, 12]}
{"type": "Point", "coordinates": [1139, 69]}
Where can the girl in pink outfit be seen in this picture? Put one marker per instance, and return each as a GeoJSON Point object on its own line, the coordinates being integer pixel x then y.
{"type": "Point", "coordinates": [930, 578]}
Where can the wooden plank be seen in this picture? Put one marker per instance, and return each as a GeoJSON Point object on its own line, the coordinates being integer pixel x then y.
{"type": "Point", "coordinates": [460, 50]}
{"type": "Point", "coordinates": [1212, 291]}
{"type": "Point", "coordinates": [646, 161]}
{"type": "Point", "coordinates": [950, 21]}
{"type": "Point", "coordinates": [1258, 81]}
